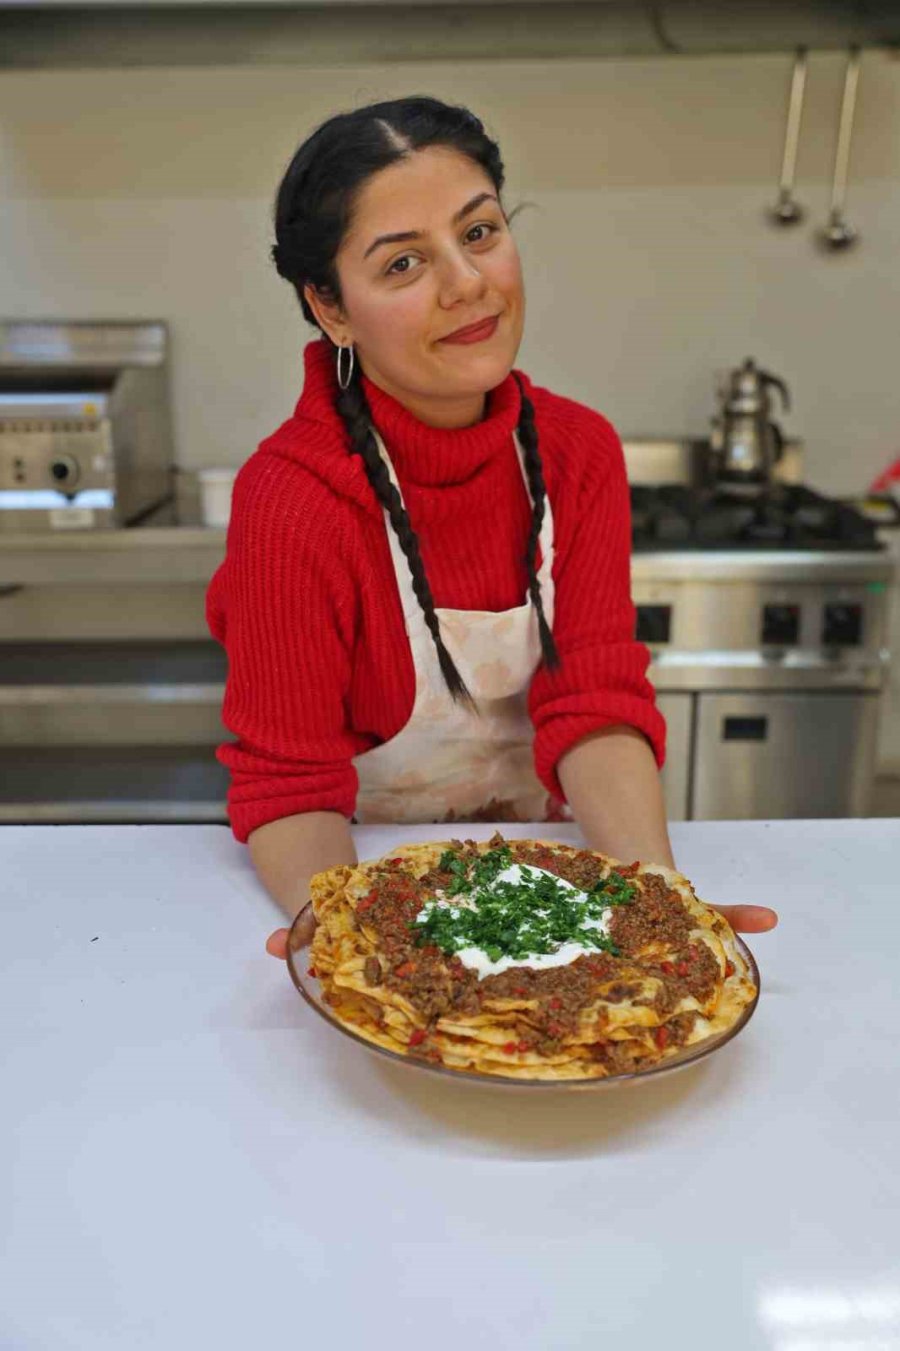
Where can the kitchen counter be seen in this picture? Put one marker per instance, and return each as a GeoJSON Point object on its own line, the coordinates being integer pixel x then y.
{"type": "Point", "coordinates": [147, 553]}
{"type": "Point", "coordinates": [193, 1159]}
{"type": "Point", "coordinates": [191, 553]}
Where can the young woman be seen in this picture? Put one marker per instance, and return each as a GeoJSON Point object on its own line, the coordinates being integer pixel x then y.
{"type": "Point", "coordinates": [425, 599]}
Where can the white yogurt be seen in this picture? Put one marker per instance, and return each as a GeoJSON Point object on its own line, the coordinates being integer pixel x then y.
{"type": "Point", "coordinates": [476, 959]}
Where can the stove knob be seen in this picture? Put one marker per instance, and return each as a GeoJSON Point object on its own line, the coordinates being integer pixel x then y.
{"type": "Point", "coordinates": [842, 625]}
{"type": "Point", "coordinates": [65, 472]}
{"type": "Point", "coordinates": [654, 623]}
{"type": "Point", "coordinates": [780, 625]}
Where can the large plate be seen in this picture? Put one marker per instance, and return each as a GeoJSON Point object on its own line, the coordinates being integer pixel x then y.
{"type": "Point", "coordinates": [300, 938]}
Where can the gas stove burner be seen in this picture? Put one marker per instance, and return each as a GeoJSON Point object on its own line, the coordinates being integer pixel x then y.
{"type": "Point", "coordinates": [787, 516]}
{"type": "Point", "coordinates": [719, 518]}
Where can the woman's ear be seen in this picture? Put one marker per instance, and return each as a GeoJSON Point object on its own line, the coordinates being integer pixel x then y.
{"type": "Point", "coordinates": [329, 314]}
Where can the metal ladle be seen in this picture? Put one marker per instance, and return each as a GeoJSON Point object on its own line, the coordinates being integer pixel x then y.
{"type": "Point", "coordinates": [838, 233]}
{"type": "Point", "coordinates": [787, 210]}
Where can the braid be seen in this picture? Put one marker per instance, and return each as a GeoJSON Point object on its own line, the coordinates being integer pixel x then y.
{"type": "Point", "coordinates": [529, 441]}
{"type": "Point", "coordinates": [354, 409]}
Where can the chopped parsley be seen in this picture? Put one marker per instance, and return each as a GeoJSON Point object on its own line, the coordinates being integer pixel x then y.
{"type": "Point", "coordinates": [615, 889]}
{"type": "Point", "coordinates": [485, 868]}
{"type": "Point", "coordinates": [520, 919]}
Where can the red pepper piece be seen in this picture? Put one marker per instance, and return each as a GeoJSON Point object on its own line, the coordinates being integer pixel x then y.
{"type": "Point", "coordinates": [405, 969]}
{"type": "Point", "coordinates": [667, 968]}
{"type": "Point", "coordinates": [729, 968]}
{"type": "Point", "coordinates": [555, 1029]}
{"type": "Point", "coordinates": [510, 1048]}
{"type": "Point", "coordinates": [367, 901]}
{"type": "Point", "coordinates": [396, 860]}
{"type": "Point", "coordinates": [523, 1046]}
{"type": "Point", "coordinates": [417, 1036]}
{"type": "Point", "coordinates": [311, 971]}
{"type": "Point", "coordinates": [556, 1002]}
{"type": "Point", "coordinates": [662, 1037]}
{"type": "Point", "coordinates": [682, 968]}
{"type": "Point", "coordinates": [520, 992]}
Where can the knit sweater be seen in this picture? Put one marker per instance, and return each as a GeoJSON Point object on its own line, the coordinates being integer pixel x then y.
{"type": "Point", "coordinates": [307, 606]}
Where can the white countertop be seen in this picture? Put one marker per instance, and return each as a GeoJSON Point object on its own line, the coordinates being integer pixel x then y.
{"type": "Point", "coordinates": [192, 1159]}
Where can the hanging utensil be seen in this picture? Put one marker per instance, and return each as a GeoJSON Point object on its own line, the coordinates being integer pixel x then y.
{"type": "Point", "coordinates": [838, 233]}
{"type": "Point", "coordinates": [787, 210]}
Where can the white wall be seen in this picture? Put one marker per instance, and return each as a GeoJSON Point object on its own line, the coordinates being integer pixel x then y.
{"type": "Point", "coordinates": [649, 263]}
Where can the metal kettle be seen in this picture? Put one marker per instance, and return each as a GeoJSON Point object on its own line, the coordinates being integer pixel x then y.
{"type": "Point", "coordinates": [745, 440]}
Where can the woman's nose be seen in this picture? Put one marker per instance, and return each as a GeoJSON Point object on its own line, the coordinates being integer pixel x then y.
{"type": "Point", "coordinates": [460, 280]}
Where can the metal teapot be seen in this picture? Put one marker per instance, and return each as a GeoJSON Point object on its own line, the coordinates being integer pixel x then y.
{"type": "Point", "coordinates": [745, 441]}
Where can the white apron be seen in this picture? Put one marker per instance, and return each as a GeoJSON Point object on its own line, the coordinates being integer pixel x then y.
{"type": "Point", "coordinates": [449, 763]}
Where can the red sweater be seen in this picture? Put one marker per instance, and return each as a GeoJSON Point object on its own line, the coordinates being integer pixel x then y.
{"type": "Point", "coordinates": [306, 603]}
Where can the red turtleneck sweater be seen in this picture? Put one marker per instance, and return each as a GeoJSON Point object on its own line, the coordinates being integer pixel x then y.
{"type": "Point", "coordinates": [306, 603]}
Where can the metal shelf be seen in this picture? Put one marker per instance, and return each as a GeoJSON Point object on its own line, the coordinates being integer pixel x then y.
{"type": "Point", "coordinates": [111, 783]}
{"type": "Point", "coordinates": [112, 813]}
{"type": "Point", "coordinates": [178, 554]}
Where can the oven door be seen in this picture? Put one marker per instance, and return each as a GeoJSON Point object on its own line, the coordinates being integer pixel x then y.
{"type": "Point", "coordinates": [677, 709]}
{"type": "Point", "coordinates": [767, 755]}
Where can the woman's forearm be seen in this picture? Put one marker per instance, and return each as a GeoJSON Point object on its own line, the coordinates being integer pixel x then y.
{"type": "Point", "coordinates": [288, 852]}
{"type": "Point", "coordinates": [612, 785]}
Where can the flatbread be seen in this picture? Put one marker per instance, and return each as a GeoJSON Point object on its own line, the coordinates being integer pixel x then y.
{"type": "Point", "coordinates": [675, 975]}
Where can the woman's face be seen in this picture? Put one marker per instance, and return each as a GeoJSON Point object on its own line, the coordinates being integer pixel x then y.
{"type": "Point", "coordinates": [401, 298]}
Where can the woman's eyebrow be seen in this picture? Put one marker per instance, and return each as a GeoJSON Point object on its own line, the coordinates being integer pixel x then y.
{"type": "Point", "coordinates": [407, 235]}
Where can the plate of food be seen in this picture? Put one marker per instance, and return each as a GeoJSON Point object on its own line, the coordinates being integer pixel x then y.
{"type": "Point", "coordinates": [522, 962]}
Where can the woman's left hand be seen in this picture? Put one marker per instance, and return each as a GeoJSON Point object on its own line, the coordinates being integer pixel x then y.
{"type": "Point", "coordinates": [277, 944]}
{"type": "Point", "coordinates": [748, 919]}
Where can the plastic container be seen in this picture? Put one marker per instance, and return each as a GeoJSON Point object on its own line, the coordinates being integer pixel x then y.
{"type": "Point", "coordinates": [215, 495]}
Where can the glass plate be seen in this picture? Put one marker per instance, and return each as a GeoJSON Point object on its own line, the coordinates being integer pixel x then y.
{"type": "Point", "coordinates": [299, 940]}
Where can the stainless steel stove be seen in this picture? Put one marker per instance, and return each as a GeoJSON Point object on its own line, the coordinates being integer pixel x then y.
{"type": "Point", "coordinates": [765, 615]}
{"type": "Point", "coordinates": [788, 516]}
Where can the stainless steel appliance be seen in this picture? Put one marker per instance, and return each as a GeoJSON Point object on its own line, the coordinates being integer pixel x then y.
{"type": "Point", "coordinates": [746, 444]}
{"type": "Point", "coordinates": [85, 424]}
{"type": "Point", "coordinates": [110, 686]}
{"type": "Point", "coordinates": [766, 621]}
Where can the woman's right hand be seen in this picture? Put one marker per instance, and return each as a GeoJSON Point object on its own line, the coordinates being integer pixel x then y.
{"type": "Point", "coordinates": [277, 942]}
{"type": "Point", "coordinates": [286, 853]}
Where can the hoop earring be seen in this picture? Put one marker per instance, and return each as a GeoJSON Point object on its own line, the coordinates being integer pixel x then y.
{"type": "Point", "coordinates": [344, 384]}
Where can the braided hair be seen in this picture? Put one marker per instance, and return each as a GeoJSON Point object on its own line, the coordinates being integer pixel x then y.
{"type": "Point", "coordinates": [313, 207]}
{"type": "Point", "coordinates": [354, 409]}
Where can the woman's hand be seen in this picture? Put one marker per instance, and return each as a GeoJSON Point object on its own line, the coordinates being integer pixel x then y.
{"type": "Point", "coordinates": [286, 853]}
{"type": "Point", "coordinates": [748, 919]}
{"type": "Point", "coordinates": [277, 942]}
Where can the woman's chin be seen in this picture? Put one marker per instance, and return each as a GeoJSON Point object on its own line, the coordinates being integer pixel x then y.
{"type": "Point", "coordinates": [475, 371]}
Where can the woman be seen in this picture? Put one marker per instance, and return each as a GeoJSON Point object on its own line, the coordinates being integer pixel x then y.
{"type": "Point", "coordinates": [425, 599]}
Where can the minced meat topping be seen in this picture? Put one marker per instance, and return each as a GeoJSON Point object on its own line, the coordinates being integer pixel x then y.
{"type": "Point", "coordinates": [437, 983]}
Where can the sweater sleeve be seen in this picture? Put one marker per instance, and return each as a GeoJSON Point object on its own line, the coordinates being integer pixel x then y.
{"type": "Point", "coordinates": [282, 606]}
{"type": "Point", "coordinates": [601, 679]}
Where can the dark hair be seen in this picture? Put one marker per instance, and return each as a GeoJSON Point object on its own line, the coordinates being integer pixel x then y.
{"type": "Point", "coordinates": [313, 208]}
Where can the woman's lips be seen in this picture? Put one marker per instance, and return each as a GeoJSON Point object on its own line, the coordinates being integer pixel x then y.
{"type": "Point", "coordinates": [477, 333]}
